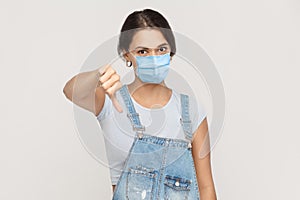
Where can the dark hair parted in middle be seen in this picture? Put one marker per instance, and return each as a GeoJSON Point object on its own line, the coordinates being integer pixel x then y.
{"type": "Point", "coordinates": [144, 19]}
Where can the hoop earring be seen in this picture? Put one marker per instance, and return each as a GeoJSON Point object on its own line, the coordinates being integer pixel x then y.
{"type": "Point", "coordinates": [128, 63]}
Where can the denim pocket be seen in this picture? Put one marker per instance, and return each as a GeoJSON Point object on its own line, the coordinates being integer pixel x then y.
{"type": "Point", "coordinates": [176, 188]}
{"type": "Point", "coordinates": [140, 182]}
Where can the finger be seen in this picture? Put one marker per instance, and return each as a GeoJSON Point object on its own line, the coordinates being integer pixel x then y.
{"type": "Point", "coordinates": [113, 89]}
{"type": "Point", "coordinates": [111, 93]}
{"type": "Point", "coordinates": [103, 69]}
{"type": "Point", "coordinates": [107, 74]}
{"type": "Point", "coordinates": [110, 82]}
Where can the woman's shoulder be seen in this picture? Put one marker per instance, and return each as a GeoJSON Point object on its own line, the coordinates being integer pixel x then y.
{"type": "Point", "coordinates": [177, 95]}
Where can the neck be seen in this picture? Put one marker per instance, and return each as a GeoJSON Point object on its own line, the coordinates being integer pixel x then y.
{"type": "Point", "coordinates": [148, 95]}
{"type": "Point", "coordinates": [138, 88]}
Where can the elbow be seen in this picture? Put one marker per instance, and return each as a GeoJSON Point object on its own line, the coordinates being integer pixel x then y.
{"type": "Point", "coordinates": [67, 91]}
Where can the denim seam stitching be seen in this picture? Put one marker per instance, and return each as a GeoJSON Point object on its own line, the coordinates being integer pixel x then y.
{"type": "Point", "coordinates": [196, 188]}
{"type": "Point", "coordinates": [161, 170]}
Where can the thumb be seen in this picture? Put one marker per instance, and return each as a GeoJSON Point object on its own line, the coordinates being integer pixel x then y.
{"type": "Point", "coordinates": [116, 103]}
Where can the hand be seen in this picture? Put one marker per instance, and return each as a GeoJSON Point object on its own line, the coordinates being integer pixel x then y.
{"type": "Point", "coordinates": [109, 80]}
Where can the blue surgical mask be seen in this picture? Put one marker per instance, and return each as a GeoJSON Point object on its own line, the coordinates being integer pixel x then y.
{"type": "Point", "coordinates": [153, 69]}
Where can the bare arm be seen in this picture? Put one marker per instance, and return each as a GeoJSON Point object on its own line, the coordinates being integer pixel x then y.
{"type": "Point", "coordinates": [200, 143]}
{"type": "Point", "coordinates": [83, 91]}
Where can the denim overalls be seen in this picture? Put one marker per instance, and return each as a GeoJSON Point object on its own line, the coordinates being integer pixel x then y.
{"type": "Point", "coordinates": [158, 168]}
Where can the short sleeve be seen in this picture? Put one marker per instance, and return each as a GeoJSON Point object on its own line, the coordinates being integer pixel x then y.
{"type": "Point", "coordinates": [106, 110]}
{"type": "Point", "coordinates": [197, 113]}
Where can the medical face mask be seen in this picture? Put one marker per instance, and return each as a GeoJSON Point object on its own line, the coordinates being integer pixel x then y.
{"type": "Point", "coordinates": [153, 69]}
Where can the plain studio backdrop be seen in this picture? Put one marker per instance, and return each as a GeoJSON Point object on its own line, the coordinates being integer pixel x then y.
{"type": "Point", "coordinates": [254, 45]}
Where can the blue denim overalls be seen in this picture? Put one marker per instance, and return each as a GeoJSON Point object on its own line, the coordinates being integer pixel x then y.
{"type": "Point", "coordinates": [158, 168]}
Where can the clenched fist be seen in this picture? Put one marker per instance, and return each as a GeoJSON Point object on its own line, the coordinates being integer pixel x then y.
{"type": "Point", "coordinates": [109, 80]}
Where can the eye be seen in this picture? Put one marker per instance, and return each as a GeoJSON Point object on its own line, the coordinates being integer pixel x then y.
{"type": "Point", "coordinates": [142, 52]}
{"type": "Point", "coordinates": [162, 49]}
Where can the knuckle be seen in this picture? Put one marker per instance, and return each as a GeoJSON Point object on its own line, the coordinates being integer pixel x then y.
{"type": "Point", "coordinates": [120, 84]}
{"type": "Point", "coordinates": [105, 67]}
{"type": "Point", "coordinates": [116, 77]}
{"type": "Point", "coordinates": [104, 87]}
{"type": "Point", "coordinates": [113, 71]}
{"type": "Point", "coordinates": [110, 91]}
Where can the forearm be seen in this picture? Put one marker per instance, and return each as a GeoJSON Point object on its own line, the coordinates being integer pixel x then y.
{"type": "Point", "coordinates": [81, 85]}
{"type": "Point", "coordinates": [208, 193]}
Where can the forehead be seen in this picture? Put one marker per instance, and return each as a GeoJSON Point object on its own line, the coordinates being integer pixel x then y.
{"type": "Point", "coordinates": [150, 38]}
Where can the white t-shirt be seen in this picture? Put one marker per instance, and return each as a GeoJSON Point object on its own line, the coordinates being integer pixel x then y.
{"type": "Point", "coordinates": [161, 122]}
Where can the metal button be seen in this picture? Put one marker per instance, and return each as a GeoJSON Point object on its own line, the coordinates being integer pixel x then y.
{"type": "Point", "coordinates": [177, 183]}
{"type": "Point", "coordinates": [140, 135]}
{"type": "Point", "coordinates": [189, 145]}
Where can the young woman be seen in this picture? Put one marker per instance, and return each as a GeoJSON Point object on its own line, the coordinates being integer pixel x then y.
{"type": "Point", "coordinates": [161, 166]}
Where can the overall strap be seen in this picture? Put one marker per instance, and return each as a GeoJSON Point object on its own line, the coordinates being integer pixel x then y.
{"type": "Point", "coordinates": [131, 113]}
{"type": "Point", "coordinates": [185, 116]}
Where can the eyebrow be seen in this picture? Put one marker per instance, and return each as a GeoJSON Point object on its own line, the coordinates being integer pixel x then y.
{"type": "Point", "coordinates": [148, 48]}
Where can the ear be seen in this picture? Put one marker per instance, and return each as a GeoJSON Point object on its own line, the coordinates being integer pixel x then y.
{"type": "Point", "coordinates": [125, 55]}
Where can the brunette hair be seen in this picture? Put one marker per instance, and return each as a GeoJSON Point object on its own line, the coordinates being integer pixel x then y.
{"type": "Point", "coordinates": [144, 19]}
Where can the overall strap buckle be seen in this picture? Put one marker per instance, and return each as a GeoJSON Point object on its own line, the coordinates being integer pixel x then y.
{"type": "Point", "coordinates": [139, 130]}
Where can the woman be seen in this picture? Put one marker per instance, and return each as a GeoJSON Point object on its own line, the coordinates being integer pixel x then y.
{"type": "Point", "coordinates": [147, 45]}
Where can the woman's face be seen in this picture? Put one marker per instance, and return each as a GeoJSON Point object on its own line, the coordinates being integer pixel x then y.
{"type": "Point", "coordinates": [147, 42]}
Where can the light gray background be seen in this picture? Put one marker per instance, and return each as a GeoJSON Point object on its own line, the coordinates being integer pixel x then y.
{"type": "Point", "coordinates": [254, 44]}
